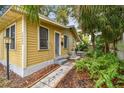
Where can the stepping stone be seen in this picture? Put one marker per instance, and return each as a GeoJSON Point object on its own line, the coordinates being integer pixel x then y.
{"type": "Point", "coordinates": [40, 85]}
{"type": "Point", "coordinates": [75, 58]}
{"type": "Point", "coordinates": [55, 77]}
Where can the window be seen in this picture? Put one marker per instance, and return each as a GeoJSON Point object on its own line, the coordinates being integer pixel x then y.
{"type": "Point", "coordinates": [65, 41]}
{"type": "Point", "coordinates": [12, 46]}
{"type": "Point", "coordinates": [43, 37]}
{"type": "Point", "coordinates": [7, 32]}
{"type": "Point", "coordinates": [10, 32]}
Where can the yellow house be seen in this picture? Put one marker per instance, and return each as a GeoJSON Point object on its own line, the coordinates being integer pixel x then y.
{"type": "Point", "coordinates": [33, 46]}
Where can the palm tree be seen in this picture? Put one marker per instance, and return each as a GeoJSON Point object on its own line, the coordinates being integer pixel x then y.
{"type": "Point", "coordinates": [106, 30]}
{"type": "Point", "coordinates": [111, 25]}
{"type": "Point", "coordinates": [88, 20]}
{"type": "Point", "coordinates": [47, 9]}
{"type": "Point", "coordinates": [62, 14]}
{"type": "Point", "coordinates": [32, 11]}
{"type": "Point", "coordinates": [116, 21]}
{"type": "Point", "coordinates": [106, 19]}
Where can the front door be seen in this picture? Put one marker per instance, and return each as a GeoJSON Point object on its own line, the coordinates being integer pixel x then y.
{"type": "Point", "coordinates": [57, 44]}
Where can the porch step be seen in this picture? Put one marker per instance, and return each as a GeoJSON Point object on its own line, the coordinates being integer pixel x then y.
{"type": "Point", "coordinates": [75, 58]}
{"type": "Point", "coordinates": [60, 60]}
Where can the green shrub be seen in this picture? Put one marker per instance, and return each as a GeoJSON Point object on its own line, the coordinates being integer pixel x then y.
{"type": "Point", "coordinates": [90, 53]}
{"type": "Point", "coordinates": [98, 51]}
{"type": "Point", "coordinates": [82, 47]}
{"type": "Point", "coordinates": [102, 69]}
{"type": "Point", "coordinates": [94, 53]}
{"type": "Point", "coordinates": [99, 42]}
{"type": "Point", "coordinates": [82, 64]}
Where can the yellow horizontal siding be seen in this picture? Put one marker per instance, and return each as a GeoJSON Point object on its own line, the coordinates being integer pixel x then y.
{"type": "Point", "coordinates": [15, 55]}
{"type": "Point", "coordinates": [1, 46]}
{"type": "Point", "coordinates": [34, 56]}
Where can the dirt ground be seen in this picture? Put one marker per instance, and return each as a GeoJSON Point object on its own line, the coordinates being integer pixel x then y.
{"type": "Point", "coordinates": [76, 79]}
{"type": "Point", "coordinates": [18, 82]}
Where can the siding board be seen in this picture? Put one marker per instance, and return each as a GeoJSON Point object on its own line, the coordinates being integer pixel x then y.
{"type": "Point", "coordinates": [34, 56]}
{"type": "Point", "coordinates": [15, 55]}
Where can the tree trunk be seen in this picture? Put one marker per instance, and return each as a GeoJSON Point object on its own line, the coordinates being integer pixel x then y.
{"type": "Point", "coordinates": [93, 40]}
{"type": "Point", "coordinates": [106, 47]}
{"type": "Point", "coordinates": [114, 46]}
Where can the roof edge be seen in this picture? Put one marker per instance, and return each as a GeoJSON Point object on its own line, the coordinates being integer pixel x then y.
{"type": "Point", "coordinates": [75, 32]}
{"type": "Point", "coordinates": [54, 22]}
{"type": "Point", "coordinates": [49, 20]}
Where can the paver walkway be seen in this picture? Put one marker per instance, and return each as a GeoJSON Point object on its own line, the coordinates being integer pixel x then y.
{"type": "Point", "coordinates": [53, 79]}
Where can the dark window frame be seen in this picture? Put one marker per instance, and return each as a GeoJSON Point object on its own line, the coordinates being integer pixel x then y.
{"type": "Point", "coordinates": [43, 39]}
{"type": "Point", "coordinates": [65, 41]}
{"type": "Point", "coordinates": [12, 36]}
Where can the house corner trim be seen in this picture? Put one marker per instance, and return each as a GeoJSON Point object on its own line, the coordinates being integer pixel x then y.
{"type": "Point", "coordinates": [24, 42]}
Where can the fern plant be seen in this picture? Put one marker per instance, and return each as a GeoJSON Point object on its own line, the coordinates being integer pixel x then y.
{"type": "Point", "coordinates": [102, 69]}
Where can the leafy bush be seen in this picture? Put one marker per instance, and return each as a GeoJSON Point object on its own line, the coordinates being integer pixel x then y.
{"type": "Point", "coordinates": [102, 69]}
{"type": "Point", "coordinates": [98, 51]}
{"type": "Point", "coordinates": [90, 53]}
{"type": "Point", "coordinates": [81, 47]}
{"type": "Point", "coordinates": [94, 53]}
{"type": "Point", "coordinates": [99, 42]}
{"type": "Point", "coordinates": [83, 63]}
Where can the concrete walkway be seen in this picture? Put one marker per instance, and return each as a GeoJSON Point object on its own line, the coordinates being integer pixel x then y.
{"type": "Point", "coordinates": [55, 77]}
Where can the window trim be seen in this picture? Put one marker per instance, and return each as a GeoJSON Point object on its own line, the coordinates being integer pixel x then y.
{"type": "Point", "coordinates": [39, 37]}
{"type": "Point", "coordinates": [67, 42]}
{"type": "Point", "coordinates": [10, 33]}
{"type": "Point", "coordinates": [60, 48]}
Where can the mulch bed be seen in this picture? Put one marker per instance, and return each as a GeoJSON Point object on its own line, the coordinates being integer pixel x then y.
{"type": "Point", "coordinates": [76, 79]}
{"type": "Point", "coordinates": [17, 82]}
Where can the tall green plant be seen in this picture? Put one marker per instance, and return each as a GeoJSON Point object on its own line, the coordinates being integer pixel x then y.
{"type": "Point", "coordinates": [111, 24]}
{"type": "Point", "coordinates": [32, 12]}
{"type": "Point", "coordinates": [102, 69]}
{"type": "Point", "coordinates": [88, 20]}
